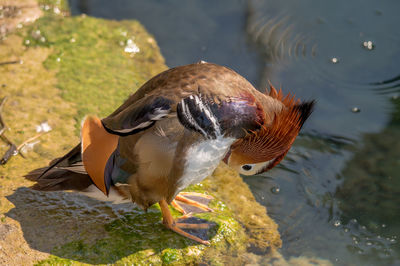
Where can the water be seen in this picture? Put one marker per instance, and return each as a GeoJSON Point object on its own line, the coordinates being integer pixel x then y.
{"type": "Point", "coordinates": [337, 193]}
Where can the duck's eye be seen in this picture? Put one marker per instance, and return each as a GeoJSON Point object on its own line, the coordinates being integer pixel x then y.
{"type": "Point", "coordinates": [247, 167]}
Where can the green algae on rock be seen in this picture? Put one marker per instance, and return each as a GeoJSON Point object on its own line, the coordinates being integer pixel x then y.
{"type": "Point", "coordinates": [129, 235]}
{"type": "Point", "coordinates": [94, 71]}
{"type": "Point", "coordinates": [32, 99]}
{"type": "Point", "coordinates": [137, 237]}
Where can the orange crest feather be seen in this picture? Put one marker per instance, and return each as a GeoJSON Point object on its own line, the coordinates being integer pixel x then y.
{"type": "Point", "coordinates": [274, 140]}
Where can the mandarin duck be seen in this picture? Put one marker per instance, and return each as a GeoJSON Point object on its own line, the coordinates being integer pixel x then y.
{"type": "Point", "coordinates": [173, 132]}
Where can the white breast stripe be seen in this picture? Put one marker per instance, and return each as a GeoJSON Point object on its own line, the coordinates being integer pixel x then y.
{"type": "Point", "coordinates": [206, 110]}
{"type": "Point", "coordinates": [190, 118]}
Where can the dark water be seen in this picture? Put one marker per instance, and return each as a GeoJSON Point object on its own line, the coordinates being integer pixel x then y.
{"type": "Point", "coordinates": [337, 193]}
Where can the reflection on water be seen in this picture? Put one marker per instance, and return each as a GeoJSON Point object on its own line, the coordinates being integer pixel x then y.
{"type": "Point", "coordinates": [336, 195]}
{"type": "Point", "coordinates": [371, 187]}
{"type": "Point", "coordinates": [276, 37]}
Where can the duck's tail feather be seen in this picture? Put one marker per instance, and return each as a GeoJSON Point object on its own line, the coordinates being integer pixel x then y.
{"type": "Point", "coordinates": [59, 179]}
{"type": "Point", "coordinates": [64, 173]}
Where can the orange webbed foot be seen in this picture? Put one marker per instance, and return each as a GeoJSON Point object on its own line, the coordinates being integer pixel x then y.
{"type": "Point", "coordinates": [175, 226]}
{"type": "Point", "coordinates": [192, 202]}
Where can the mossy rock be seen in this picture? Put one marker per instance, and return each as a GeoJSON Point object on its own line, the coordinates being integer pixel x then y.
{"type": "Point", "coordinates": [71, 67]}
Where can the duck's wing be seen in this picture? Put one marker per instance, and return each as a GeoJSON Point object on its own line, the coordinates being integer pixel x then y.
{"type": "Point", "coordinates": [138, 116]}
{"type": "Point", "coordinates": [100, 137]}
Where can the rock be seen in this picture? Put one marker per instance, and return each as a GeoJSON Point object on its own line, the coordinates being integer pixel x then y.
{"type": "Point", "coordinates": [15, 13]}
{"type": "Point", "coordinates": [5, 229]}
{"type": "Point", "coordinates": [93, 75]}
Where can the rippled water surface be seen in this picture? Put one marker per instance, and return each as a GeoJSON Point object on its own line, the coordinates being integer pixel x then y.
{"type": "Point", "coordinates": [337, 193]}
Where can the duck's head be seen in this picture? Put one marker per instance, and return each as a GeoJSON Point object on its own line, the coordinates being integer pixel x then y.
{"type": "Point", "coordinates": [262, 149]}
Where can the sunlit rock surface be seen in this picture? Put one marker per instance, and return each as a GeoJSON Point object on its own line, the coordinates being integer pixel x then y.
{"type": "Point", "coordinates": [69, 67]}
{"type": "Point", "coordinates": [16, 13]}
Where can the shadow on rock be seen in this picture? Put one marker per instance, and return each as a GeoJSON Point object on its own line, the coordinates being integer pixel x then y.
{"type": "Point", "coordinates": [73, 226]}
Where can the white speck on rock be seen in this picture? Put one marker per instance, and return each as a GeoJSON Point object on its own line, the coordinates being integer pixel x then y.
{"type": "Point", "coordinates": [131, 47]}
{"type": "Point", "coordinates": [43, 127]}
{"type": "Point", "coordinates": [29, 146]}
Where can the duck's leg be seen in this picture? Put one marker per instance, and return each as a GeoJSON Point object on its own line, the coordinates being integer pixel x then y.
{"type": "Point", "coordinates": [183, 197]}
{"type": "Point", "coordinates": [170, 223]}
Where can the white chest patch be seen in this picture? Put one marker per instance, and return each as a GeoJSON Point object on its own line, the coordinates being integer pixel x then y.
{"type": "Point", "coordinates": [202, 159]}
